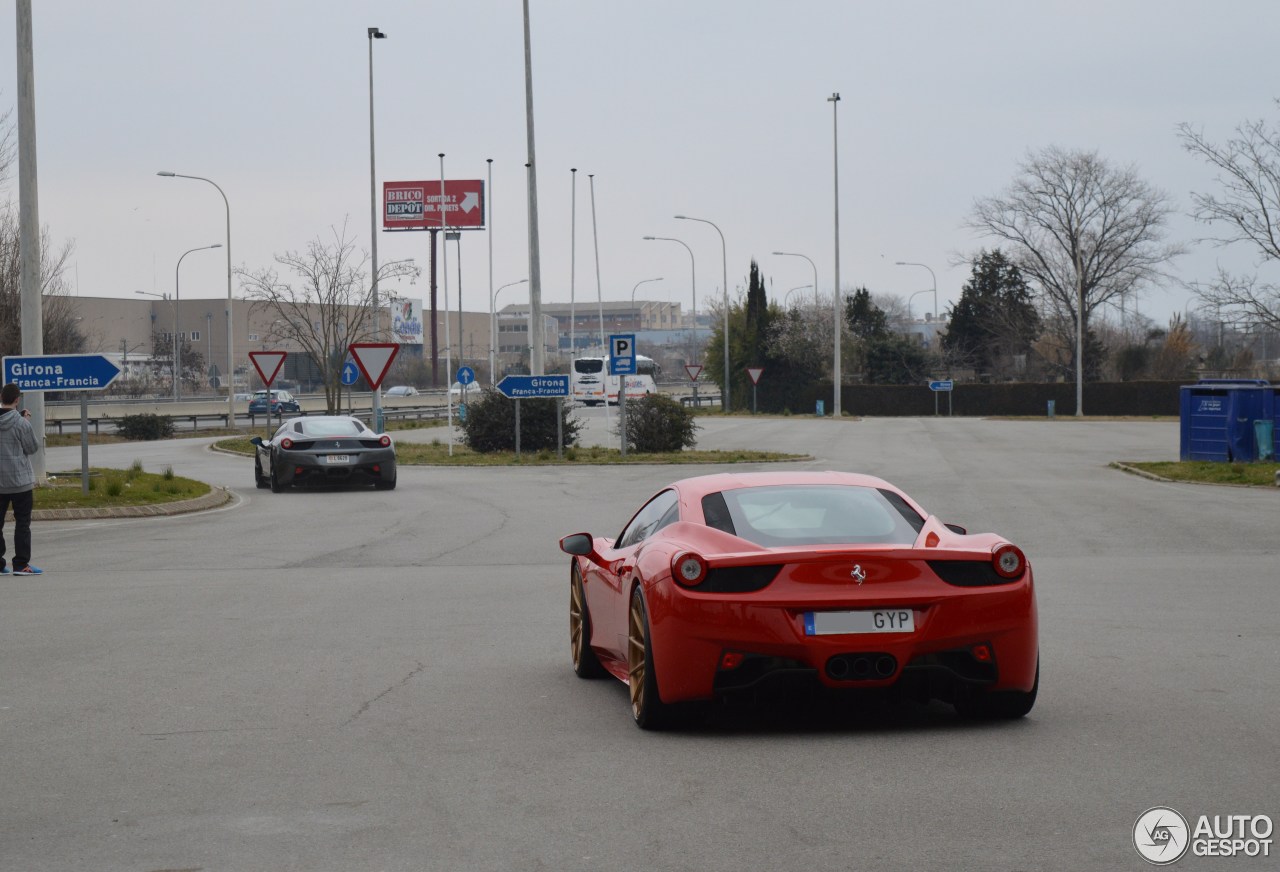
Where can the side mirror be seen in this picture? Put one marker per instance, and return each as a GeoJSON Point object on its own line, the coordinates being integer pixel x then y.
{"type": "Point", "coordinates": [956, 528]}
{"type": "Point", "coordinates": [256, 440]}
{"type": "Point", "coordinates": [579, 544]}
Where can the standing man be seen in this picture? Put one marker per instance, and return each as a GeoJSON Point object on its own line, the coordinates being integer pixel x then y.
{"type": "Point", "coordinates": [17, 480]}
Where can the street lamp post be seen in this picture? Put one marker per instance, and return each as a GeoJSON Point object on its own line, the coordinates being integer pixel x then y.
{"type": "Point", "coordinates": [912, 297]}
{"type": "Point", "coordinates": [374, 33]}
{"type": "Point", "coordinates": [935, 282]}
{"type": "Point", "coordinates": [177, 296]}
{"type": "Point", "coordinates": [811, 263]}
{"type": "Point", "coordinates": [231, 361]}
{"type": "Point", "coordinates": [493, 327]}
{"type": "Point", "coordinates": [834, 100]}
{"type": "Point", "coordinates": [693, 277]}
{"type": "Point", "coordinates": [724, 265]}
{"type": "Point", "coordinates": [638, 284]}
{"type": "Point", "coordinates": [786, 300]}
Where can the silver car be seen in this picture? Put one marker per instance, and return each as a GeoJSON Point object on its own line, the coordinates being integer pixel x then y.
{"type": "Point", "coordinates": [324, 450]}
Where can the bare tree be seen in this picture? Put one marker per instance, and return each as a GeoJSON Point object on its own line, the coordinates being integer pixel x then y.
{"type": "Point", "coordinates": [1246, 208]}
{"type": "Point", "coordinates": [1082, 231]}
{"type": "Point", "coordinates": [62, 331]}
{"type": "Point", "coordinates": [326, 306]}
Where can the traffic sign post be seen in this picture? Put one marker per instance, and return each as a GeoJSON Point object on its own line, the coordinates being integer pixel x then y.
{"type": "Point", "coordinates": [466, 377]}
{"type": "Point", "coordinates": [941, 387]}
{"type": "Point", "coordinates": [622, 363]}
{"type": "Point", "coordinates": [529, 387]}
{"type": "Point", "coordinates": [64, 372]}
{"type": "Point", "coordinates": [694, 370]}
{"type": "Point", "coordinates": [350, 375]}
{"type": "Point", "coordinates": [754, 373]}
{"type": "Point", "coordinates": [374, 360]}
{"type": "Point", "coordinates": [268, 365]}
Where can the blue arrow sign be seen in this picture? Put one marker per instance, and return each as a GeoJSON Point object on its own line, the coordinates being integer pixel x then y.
{"type": "Point", "coordinates": [524, 387]}
{"type": "Point", "coordinates": [940, 385]}
{"type": "Point", "coordinates": [466, 375]}
{"type": "Point", "coordinates": [60, 372]}
{"type": "Point", "coordinates": [350, 374]}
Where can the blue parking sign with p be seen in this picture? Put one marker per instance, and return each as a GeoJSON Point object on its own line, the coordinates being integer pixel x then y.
{"type": "Point", "coordinates": [622, 354]}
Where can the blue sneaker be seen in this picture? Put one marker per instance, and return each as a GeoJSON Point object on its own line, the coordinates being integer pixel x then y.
{"type": "Point", "coordinates": [28, 570]}
{"type": "Point", "coordinates": [6, 571]}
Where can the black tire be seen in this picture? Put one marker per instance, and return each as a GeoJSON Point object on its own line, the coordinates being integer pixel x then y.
{"type": "Point", "coordinates": [258, 478]}
{"type": "Point", "coordinates": [647, 707]}
{"type": "Point", "coordinates": [276, 486]}
{"type": "Point", "coordinates": [1000, 705]}
{"type": "Point", "coordinates": [385, 485]}
{"type": "Point", "coordinates": [585, 662]}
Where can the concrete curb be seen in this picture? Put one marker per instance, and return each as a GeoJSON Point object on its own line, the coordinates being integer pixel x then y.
{"type": "Point", "coordinates": [212, 500]}
{"type": "Point", "coordinates": [1124, 467]}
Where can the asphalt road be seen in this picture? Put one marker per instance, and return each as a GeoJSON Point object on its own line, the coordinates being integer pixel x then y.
{"type": "Point", "coordinates": [380, 681]}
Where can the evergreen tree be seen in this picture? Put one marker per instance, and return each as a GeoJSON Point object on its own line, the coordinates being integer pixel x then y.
{"type": "Point", "coordinates": [864, 318]}
{"type": "Point", "coordinates": [995, 318]}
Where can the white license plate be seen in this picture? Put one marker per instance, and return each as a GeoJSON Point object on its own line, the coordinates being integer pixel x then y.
{"type": "Point", "coordinates": [870, 621]}
{"type": "Point", "coordinates": [337, 458]}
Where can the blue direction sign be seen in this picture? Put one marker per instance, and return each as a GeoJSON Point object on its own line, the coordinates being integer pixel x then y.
{"type": "Point", "coordinates": [940, 385]}
{"type": "Point", "coordinates": [60, 372]}
{"type": "Point", "coordinates": [524, 387]}
{"type": "Point", "coordinates": [466, 375]}
{"type": "Point", "coordinates": [350, 373]}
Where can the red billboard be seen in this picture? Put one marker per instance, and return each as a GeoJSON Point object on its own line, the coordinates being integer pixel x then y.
{"type": "Point", "coordinates": [416, 205]}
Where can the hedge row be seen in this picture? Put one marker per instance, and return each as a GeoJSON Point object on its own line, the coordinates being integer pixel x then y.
{"type": "Point", "coordinates": [1020, 398]}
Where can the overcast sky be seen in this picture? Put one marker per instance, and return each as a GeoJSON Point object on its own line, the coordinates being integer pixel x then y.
{"type": "Point", "coordinates": [710, 108]}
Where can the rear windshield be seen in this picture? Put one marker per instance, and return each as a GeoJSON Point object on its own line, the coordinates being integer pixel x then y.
{"type": "Point", "coordinates": [333, 427]}
{"type": "Point", "coordinates": [783, 515]}
{"type": "Point", "coordinates": [588, 366]}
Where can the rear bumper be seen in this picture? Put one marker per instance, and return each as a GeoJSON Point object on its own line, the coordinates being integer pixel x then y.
{"type": "Point", "coordinates": [368, 466]}
{"type": "Point", "coordinates": [691, 634]}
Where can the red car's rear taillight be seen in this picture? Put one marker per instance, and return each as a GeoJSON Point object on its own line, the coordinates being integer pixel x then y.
{"type": "Point", "coordinates": [688, 569]}
{"type": "Point", "coordinates": [1008, 561]}
{"type": "Point", "coordinates": [286, 443]}
{"type": "Point", "coordinates": [385, 441]}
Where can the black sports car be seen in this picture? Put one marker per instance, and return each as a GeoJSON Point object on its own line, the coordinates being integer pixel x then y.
{"type": "Point", "coordinates": [324, 449]}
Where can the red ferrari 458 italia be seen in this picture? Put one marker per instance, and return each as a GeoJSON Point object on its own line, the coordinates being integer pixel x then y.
{"type": "Point", "coordinates": [723, 582]}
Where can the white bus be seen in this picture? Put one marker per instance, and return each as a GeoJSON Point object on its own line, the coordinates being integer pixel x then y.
{"type": "Point", "coordinates": [592, 384]}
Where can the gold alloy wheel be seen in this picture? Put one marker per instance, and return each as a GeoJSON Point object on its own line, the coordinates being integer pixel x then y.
{"type": "Point", "coordinates": [576, 640]}
{"type": "Point", "coordinates": [635, 655]}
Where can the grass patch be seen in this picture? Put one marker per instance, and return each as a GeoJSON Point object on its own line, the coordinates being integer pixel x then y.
{"type": "Point", "coordinates": [437, 454]}
{"type": "Point", "coordinates": [1210, 472]}
{"type": "Point", "coordinates": [116, 487]}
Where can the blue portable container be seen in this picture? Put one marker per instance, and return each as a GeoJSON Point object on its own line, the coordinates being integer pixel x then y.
{"type": "Point", "coordinates": [1218, 415]}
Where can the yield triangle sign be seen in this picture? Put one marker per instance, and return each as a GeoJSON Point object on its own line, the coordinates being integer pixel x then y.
{"type": "Point", "coordinates": [374, 359]}
{"type": "Point", "coordinates": [694, 370]}
{"type": "Point", "coordinates": [268, 364]}
{"type": "Point", "coordinates": [755, 372]}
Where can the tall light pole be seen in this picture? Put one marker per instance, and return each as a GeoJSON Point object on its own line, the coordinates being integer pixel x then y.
{"type": "Point", "coordinates": [935, 282]}
{"type": "Point", "coordinates": [488, 205]}
{"type": "Point", "coordinates": [834, 100]}
{"type": "Point", "coordinates": [374, 33]}
{"type": "Point", "coordinates": [537, 354]}
{"type": "Point", "coordinates": [231, 359]}
{"type": "Point", "coordinates": [693, 280]}
{"type": "Point", "coordinates": [493, 326]}
{"type": "Point", "coordinates": [811, 263]}
{"type": "Point", "coordinates": [724, 265]}
{"type": "Point", "coordinates": [177, 296]}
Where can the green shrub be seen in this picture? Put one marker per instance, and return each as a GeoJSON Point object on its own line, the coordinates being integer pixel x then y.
{"type": "Point", "coordinates": [144, 428]}
{"type": "Point", "coordinates": [136, 469]}
{"type": "Point", "coordinates": [115, 486]}
{"type": "Point", "coordinates": [657, 423]}
{"type": "Point", "coordinates": [491, 424]}
{"type": "Point", "coordinates": [168, 473]}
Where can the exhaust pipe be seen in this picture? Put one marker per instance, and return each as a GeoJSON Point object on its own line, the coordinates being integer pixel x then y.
{"type": "Point", "coordinates": [861, 667]}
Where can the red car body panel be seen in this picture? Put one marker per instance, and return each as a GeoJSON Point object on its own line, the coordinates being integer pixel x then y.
{"type": "Point", "coordinates": [691, 629]}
